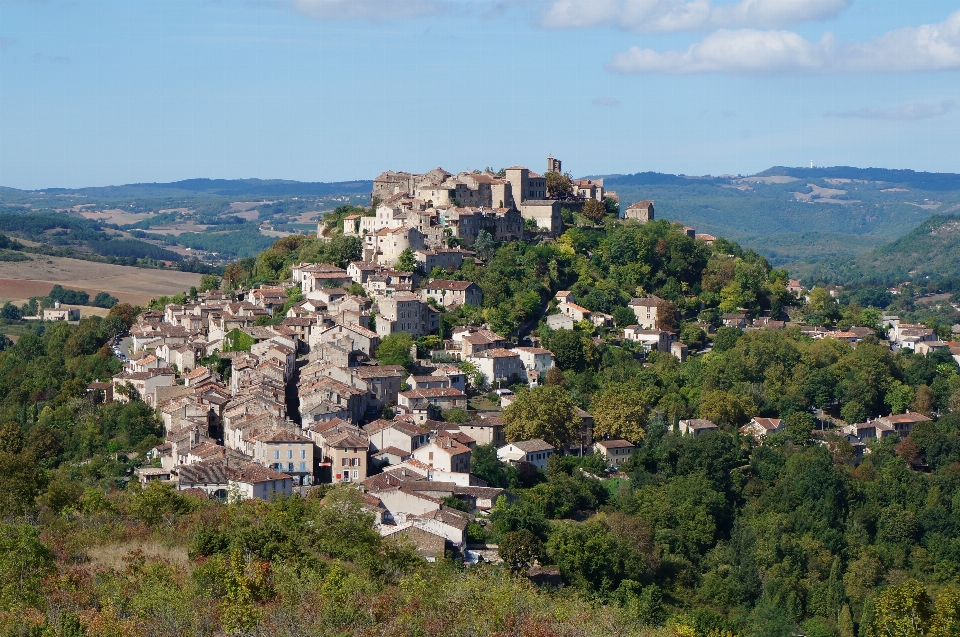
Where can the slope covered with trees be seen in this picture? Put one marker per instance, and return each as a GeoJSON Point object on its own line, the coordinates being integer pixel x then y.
{"type": "Point", "coordinates": [706, 536]}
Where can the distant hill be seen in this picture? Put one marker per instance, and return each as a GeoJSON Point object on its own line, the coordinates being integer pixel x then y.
{"type": "Point", "coordinates": [908, 178]}
{"type": "Point", "coordinates": [930, 251]}
{"type": "Point", "coordinates": [221, 187]}
{"type": "Point", "coordinates": [798, 216]}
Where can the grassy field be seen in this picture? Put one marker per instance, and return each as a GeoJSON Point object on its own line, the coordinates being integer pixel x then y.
{"type": "Point", "coordinates": [21, 280]}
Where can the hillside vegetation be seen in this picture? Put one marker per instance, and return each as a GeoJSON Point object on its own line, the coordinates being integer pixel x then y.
{"type": "Point", "coordinates": [839, 212]}
{"type": "Point", "coordinates": [930, 252]}
{"type": "Point", "coordinates": [706, 537]}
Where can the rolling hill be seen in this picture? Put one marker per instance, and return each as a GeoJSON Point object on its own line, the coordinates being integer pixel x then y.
{"type": "Point", "coordinates": [930, 251]}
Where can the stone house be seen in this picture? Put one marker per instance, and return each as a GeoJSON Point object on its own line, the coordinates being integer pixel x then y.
{"type": "Point", "coordinates": [647, 310]}
{"type": "Point", "coordinates": [534, 451]}
{"type": "Point", "coordinates": [641, 211]}
{"type": "Point", "coordinates": [446, 454]}
{"type": "Point", "coordinates": [696, 426]}
{"type": "Point", "coordinates": [406, 312]}
{"type": "Point", "coordinates": [452, 293]}
{"type": "Point", "coordinates": [615, 452]}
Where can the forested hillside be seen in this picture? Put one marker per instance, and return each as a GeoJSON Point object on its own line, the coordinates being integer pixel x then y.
{"type": "Point", "coordinates": [708, 536]}
{"type": "Point", "coordinates": [797, 216]}
{"type": "Point", "coordinates": [931, 252]}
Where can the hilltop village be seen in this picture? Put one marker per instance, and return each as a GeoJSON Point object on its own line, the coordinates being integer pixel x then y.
{"type": "Point", "coordinates": [309, 401]}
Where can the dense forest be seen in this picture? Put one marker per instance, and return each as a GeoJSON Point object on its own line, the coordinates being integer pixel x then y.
{"type": "Point", "coordinates": [708, 536]}
{"type": "Point", "coordinates": [929, 253]}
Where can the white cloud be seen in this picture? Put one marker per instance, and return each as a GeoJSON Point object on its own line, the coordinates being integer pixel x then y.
{"type": "Point", "coordinates": [686, 15]}
{"type": "Point", "coordinates": [910, 111]}
{"type": "Point", "coordinates": [605, 101]}
{"type": "Point", "coordinates": [368, 9]}
{"type": "Point", "coordinates": [929, 47]}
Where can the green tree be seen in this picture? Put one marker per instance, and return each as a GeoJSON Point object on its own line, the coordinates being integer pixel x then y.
{"type": "Point", "coordinates": [483, 244]}
{"type": "Point", "coordinates": [24, 562]}
{"type": "Point", "coordinates": [395, 349]}
{"type": "Point", "coordinates": [209, 282]}
{"type": "Point", "coordinates": [10, 312]}
{"type": "Point", "coordinates": [623, 316]}
{"type": "Point", "coordinates": [693, 336]}
{"type": "Point", "coordinates": [407, 261]}
{"type": "Point", "coordinates": [620, 412]}
{"type": "Point", "coordinates": [903, 611]}
{"type": "Point", "coordinates": [520, 550]}
{"type": "Point", "coordinates": [726, 407]}
{"type": "Point", "coordinates": [726, 338]}
{"type": "Point", "coordinates": [573, 350]}
{"type": "Point", "coordinates": [237, 341]}
{"type": "Point", "coordinates": [485, 464]}
{"type": "Point", "coordinates": [543, 412]}
{"type": "Point", "coordinates": [798, 426]}
{"type": "Point", "coordinates": [899, 397]}
{"type": "Point", "coordinates": [159, 502]}
{"type": "Point", "coordinates": [475, 377]}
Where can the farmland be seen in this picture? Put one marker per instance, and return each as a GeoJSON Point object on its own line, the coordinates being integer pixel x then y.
{"type": "Point", "coordinates": [21, 280]}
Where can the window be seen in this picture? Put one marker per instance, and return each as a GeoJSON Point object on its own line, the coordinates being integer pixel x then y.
{"type": "Point", "coordinates": [303, 466]}
{"type": "Point", "coordinates": [276, 453]}
{"type": "Point", "coordinates": [289, 453]}
{"type": "Point", "coordinates": [344, 462]}
{"type": "Point", "coordinates": [356, 474]}
{"type": "Point", "coordinates": [303, 453]}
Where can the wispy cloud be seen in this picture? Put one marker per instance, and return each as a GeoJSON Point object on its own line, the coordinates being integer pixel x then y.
{"type": "Point", "coordinates": [928, 47]}
{"type": "Point", "coordinates": [605, 101]}
{"type": "Point", "coordinates": [910, 111]}
{"type": "Point", "coordinates": [686, 15]}
{"type": "Point", "coordinates": [370, 9]}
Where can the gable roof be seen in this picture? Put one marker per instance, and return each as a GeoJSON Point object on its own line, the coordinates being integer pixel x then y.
{"type": "Point", "coordinates": [531, 446]}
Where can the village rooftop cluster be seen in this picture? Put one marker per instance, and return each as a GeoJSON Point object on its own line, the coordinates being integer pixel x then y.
{"type": "Point", "coordinates": [306, 399]}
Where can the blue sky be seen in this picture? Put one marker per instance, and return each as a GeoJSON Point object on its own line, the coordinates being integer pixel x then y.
{"type": "Point", "coordinates": [97, 93]}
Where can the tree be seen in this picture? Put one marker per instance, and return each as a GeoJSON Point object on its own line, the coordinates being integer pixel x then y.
{"type": "Point", "coordinates": [556, 377]}
{"type": "Point", "coordinates": [612, 206]}
{"type": "Point", "coordinates": [726, 338]}
{"type": "Point", "coordinates": [903, 611]}
{"type": "Point", "coordinates": [20, 482]}
{"type": "Point", "coordinates": [209, 282]}
{"type": "Point", "coordinates": [573, 350]}
{"type": "Point", "coordinates": [854, 411]}
{"type": "Point", "coordinates": [899, 397]}
{"type": "Point", "coordinates": [395, 350]}
{"type": "Point", "coordinates": [798, 426]}
{"type": "Point", "coordinates": [485, 464]}
{"type": "Point", "coordinates": [692, 336]}
{"type": "Point", "coordinates": [103, 299]}
{"type": "Point", "coordinates": [520, 549]}
{"type": "Point", "coordinates": [475, 377]}
{"type": "Point", "coordinates": [233, 275]}
{"type": "Point", "coordinates": [559, 185]}
{"type": "Point", "coordinates": [923, 401]}
{"type": "Point", "coordinates": [407, 261]}
{"type": "Point", "coordinates": [483, 244]}
{"type": "Point", "coordinates": [126, 312]}
{"type": "Point", "coordinates": [543, 412]}
{"type": "Point", "coordinates": [24, 561]}
{"type": "Point", "coordinates": [10, 312]}
{"type": "Point", "coordinates": [623, 316]}
{"type": "Point", "coordinates": [620, 412]}
{"type": "Point", "coordinates": [593, 210]}
{"type": "Point", "coordinates": [726, 407]}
